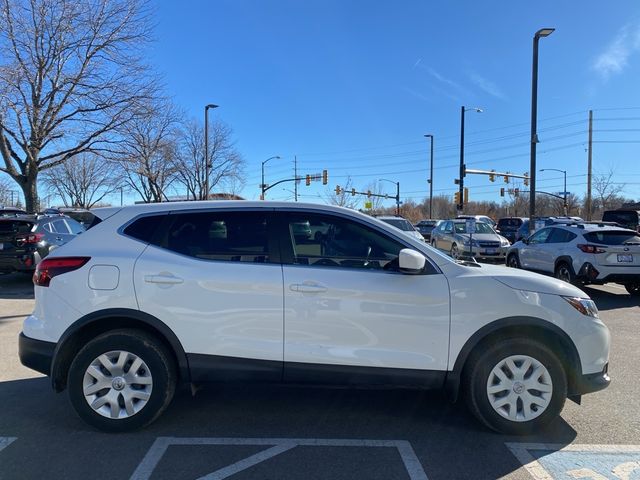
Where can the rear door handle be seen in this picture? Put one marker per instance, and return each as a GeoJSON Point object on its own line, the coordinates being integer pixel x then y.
{"type": "Point", "coordinates": [163, 279]}
{"type": "Point", "coordinates": [307, 288]}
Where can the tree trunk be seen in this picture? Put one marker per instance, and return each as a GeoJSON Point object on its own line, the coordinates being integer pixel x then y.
{"type": "Point", "coordinates": [29, 185]}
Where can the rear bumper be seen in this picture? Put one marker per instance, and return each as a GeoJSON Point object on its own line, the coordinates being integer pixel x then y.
{"type": "Point", "coordinates": [25, 262]}
{"type": "Point", "coordinates": [592, 382]}
{"type": "Point", "coordinates": [36, 354]}
{"type": "Point", "coordinates": [600, 274]}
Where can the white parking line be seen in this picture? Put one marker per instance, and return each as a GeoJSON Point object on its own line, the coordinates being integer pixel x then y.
{"type": "Point", "coordinates": [279, 445]}
{"type": "Point", "coordinates": [6, 441]}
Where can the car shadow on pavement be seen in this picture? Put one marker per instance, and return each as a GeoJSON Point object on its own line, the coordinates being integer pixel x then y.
{"type": "Point", "coordinates": [446, 439]}
{"type": "Point", "coordinates": [606, 300]}
{"type": "Point", "coordinates": [16, 286]}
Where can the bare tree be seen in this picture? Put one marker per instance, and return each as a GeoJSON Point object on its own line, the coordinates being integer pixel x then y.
{"type": "Point", "coordinates": [225, 162]}
{"type": "Point", "coordinates": [607, 191]}
{"type": "Point", "coordinates": [82, 181]}
{"type": "Point", "coordinates": [149, 151]}
{"type": "Point", "coordinates": [6, 195]}
{"type": "Point", "coordinates": [344, 198]}
{"type": "Point", "coordinates": [72, 72]}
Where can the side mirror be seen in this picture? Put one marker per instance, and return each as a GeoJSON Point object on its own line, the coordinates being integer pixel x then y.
{"type": "Point", "coordinates": [525, 240]}
{"type": "Point", "coordinates": [411, 262]}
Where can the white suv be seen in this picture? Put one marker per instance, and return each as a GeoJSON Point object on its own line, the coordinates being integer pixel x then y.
{"type": "Point", "coordinates": [218, 291]}
{"type": "Point", "coordinates": [582, 253]}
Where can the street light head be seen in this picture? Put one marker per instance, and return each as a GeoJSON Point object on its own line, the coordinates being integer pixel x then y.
{"type": "Point", "coordinates": [544, 32]}
{"type": "Point", "coordinates": [211, 105]}
{"type": "Point", "coordinates": [479, 110]}
{"type": "Point", "coordinates": [428, 135]}
{"type": "Point", "coordinates": [476, 109]}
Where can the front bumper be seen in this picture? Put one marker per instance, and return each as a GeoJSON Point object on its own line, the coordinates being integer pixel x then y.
{"type": "Point", "coordinates": [592, 382]}
{"type": "Point", "coordinates": [36, 354]}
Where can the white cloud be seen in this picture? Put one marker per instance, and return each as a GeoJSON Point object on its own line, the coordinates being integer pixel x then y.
{"type": "Point", "coordinates": [487, 86]}
{"type": "Point", "coordinates": [615, 57]}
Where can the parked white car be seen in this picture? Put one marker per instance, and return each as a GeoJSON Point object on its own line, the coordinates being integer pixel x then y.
{"type": "Point", "coordinates": [402, 224]}
{"type": "Point", "coordinates": [207, 291]}
{"type": "Point", "coordinates": [581, 254]}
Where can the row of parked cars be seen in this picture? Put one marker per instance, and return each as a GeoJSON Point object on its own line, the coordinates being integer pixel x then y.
{"type": "Point", "coordinates": [26, 239]}
{"type": "Point", "coordinates": [568, 248]}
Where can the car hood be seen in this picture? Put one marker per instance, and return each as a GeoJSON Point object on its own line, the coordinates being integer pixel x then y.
{"type": "Point", "coordinates": [531, 282]}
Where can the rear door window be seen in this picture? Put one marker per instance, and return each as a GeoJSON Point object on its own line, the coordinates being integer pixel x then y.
{"type": "Point", "coordinates": [222, 236]}
{"type": "Point", "coordinates": [60, 226]}
{"type": "Point", "coordinates": [558, 235]}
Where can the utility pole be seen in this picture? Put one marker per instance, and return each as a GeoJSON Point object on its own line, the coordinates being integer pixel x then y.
{"type": "Point", "coordinates": [207, 166]}
{"type": "Point", "coordinates": [460, 205]}
{"type": "Point", "coordinates": [589, 164]}
{"type": "Point", "coordinates": [430, 178]}
{"type": "Point", "coordinates": [295, 175]}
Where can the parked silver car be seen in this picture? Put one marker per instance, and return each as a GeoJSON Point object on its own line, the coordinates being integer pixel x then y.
{"type": "Point", "coordinates": [485, 244]}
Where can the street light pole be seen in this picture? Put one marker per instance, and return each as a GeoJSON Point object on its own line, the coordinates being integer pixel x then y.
{"type": "Point", "coordinates": [207, 166]}
{"type": "Point", "coordinates": [463, 109]}
{"type": "Point", "coordinates": [262, 185]}
{"type": "Point", "coordinates": [564, 192]}
{"type": "Point", "coordinates": [544, 32]}
{"type": "Point", "coordinates": [430, 178]}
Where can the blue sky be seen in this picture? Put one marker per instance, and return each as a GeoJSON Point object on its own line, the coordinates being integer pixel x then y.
{"type": "Point", "coordinates": [352, 86]}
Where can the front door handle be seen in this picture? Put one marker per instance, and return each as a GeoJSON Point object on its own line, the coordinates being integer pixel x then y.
{"type": "Point", "coordinates": [307, 288]}
{"type": "Point", "coordinates": [163, 279]}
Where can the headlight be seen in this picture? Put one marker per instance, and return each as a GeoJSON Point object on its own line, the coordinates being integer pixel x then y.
{"type": "Point", "coordinates": [504, 242]}
{"type": "Point", "coordinates": [584, 305]}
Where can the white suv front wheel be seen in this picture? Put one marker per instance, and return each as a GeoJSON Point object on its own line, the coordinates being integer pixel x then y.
{"type": "Point", "coordinates": [515, 386]}
{"type": "Point", "coordinates": [121, 380]}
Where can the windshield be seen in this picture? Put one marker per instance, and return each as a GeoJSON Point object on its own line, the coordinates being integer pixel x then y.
{"type": "Point", "coordinates": [400, 223]}
{"type": "Point", "coordinates": [481, 227]}
{"type": "Point", "coordinates": [509, 223]}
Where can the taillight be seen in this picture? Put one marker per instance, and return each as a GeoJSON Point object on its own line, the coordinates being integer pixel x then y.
{"type": "Point", "coordinates": [591, 248]}
{"type": "Point", "coordinates": [30, 238]}
{"type": "Point", "coordinates": [51, 267]}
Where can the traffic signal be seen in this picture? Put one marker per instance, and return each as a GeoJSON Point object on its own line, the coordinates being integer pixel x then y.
{"type": "Point", "coordinates": [325, 177]}
{"type": "Point", "coordinates": [369, 193]}
{"type": "Point", "coordinates": [456, 198]}
{"type": "Point", "coordinates": [353, 192]}
{"type": "Point", "coordinates": [506, 179]}
{"type": "Point", "coordinates": [502, 191]}
{"type": "Point", "coordinates": [492, 176]}
{"type": "Point", "coordinates": [466, 195]}
{"type": "Point", "coordinates": [308, 180]}
{"type": "Point", "coordinates": [516, 192]}
{"type": "Point", "coordinates": [526, 179]}
{"type": "Point", "coordinates": [338, 189]}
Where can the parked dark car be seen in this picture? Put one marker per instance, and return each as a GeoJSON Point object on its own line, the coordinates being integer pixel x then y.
{"type": "Point", "coordinates": [625, 218]}
{"type": "Point", "coordinates": [80, 215]}
{"type": "Point", "coordinates": [508, 227]}
{"type": "Point", "coordinates": [27, 239]}
{"type": "Point", "coordinates": [11, 211]}
{"type": "Point", "coordinates": [425, 227]}
{"type": "Point", "coordinates": [523, 231]}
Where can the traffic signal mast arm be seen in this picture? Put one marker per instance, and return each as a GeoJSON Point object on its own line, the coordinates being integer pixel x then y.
{"type": "Point", "coordinates": [368, 193]}
{"type": "Point", "coordinates": [492, 174]}
{"type": "Point", "coordinates": [309, 178]}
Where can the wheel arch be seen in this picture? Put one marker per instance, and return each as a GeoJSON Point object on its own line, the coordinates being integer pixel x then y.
{"type": "Point", "coordinates": [563, 259]}
{"type": "Point", "coordinates": [528, 327]}
{"type": "Point", "coordinates": [96, 323]}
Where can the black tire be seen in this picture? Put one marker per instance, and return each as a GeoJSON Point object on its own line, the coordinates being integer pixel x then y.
{"type": "Point", "coordinates": [633, 289]}
{"type": "Point", "coordinates": [564, 271]}
{"type": "Point", "coordinates": [161, 369]}
{"type": "Point", "coordinates": [476, 377]}
{"type": "Point", "coordinates": [513, 261]}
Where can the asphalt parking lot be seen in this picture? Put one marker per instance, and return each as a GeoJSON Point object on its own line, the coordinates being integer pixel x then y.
{"type": "Point", "coordinates": [290, 432]}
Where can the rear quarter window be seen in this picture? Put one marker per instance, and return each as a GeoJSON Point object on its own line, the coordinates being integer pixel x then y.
{"type": "Point", "coordinates": [144, 228]}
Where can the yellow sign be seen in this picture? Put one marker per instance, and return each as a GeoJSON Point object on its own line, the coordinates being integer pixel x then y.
{"type": "Point", "coordinates": [368, 205]}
